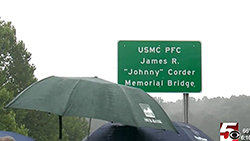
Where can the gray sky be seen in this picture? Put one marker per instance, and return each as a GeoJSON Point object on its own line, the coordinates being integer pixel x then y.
{"type": "Point", "coordinates": [76, 38]}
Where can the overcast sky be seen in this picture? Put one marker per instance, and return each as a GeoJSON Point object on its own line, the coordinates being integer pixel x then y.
{"type": "Point", "coordinates": [76, 38]}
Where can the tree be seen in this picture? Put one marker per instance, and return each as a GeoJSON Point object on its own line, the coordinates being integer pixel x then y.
{"type": "Point", "coordinates": [16, 73]}
{"type": "Point", "coordinates": [8, 117]}
{"type": "Point", "coordinates": [20, 73]}
{"type": "Point", "coordinates": [45, 126]}
{"type": "Point", "coordinates": [8, 44]}
{"type": "Point", "coordinates": [159, 100]}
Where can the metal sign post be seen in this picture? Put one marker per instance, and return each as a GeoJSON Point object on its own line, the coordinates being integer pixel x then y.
{"type": "Point", "coordinates": [185, 103]}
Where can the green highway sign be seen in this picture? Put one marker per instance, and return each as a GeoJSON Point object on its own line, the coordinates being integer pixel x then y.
{"type": "Point", "coordinates": [160, 66]}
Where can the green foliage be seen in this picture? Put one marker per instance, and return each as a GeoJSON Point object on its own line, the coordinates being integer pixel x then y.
{"type": "Point", "coordinates": [16, 73]}
{"type": "Point", "coordinates": [19, 68]}
{"type": "Point", "coordinates": [75, 127]}
{"type": "Point", "coordinates": [7, 41]}
{"type": "Point", "coordinates": [45, 126]}
{"type": "Point", "coordinates": [207, 114]}
{"type": "Point", "coordinates": [8, 117]}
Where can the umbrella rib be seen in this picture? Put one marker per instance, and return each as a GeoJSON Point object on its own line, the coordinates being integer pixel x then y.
{"type": "Point", "coordinates": [70, 97]}
{"type": "Point", "coordinates": [129, 103]}
{"type": "Point", "coordinates": [20, 94]}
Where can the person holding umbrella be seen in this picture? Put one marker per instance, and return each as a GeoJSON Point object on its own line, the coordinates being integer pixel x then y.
{"type": "Point", "coordinates": [7, 138]}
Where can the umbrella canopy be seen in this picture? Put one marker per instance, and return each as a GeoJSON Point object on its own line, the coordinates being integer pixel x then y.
{"type": "Point", "coordinates": [119, 132]}
{"type": "Point", "coordinates": [16, 136]}
{"type": "Point", "coordinates": [93, 98]}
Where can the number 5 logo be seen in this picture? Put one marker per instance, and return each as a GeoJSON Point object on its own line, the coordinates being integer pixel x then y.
{"type": "Point", "coordinates": [229, 131]}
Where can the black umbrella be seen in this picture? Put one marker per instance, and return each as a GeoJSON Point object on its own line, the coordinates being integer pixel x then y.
{"type": "Point", "coordinates": [119, 132]}
{"type": "Point", "coordinates": [16, 136]}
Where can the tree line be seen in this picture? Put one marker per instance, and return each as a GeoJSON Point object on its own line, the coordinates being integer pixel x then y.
{"type": "Point", "coordinates": [207, 114]}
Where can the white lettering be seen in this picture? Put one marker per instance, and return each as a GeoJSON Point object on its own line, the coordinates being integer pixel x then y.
{"type": "Point", "coordinates": [158, 121]}
{"type": "Point", "coordinates": [178, 50]}
{"type": "Point", "coordinates": [149, 49]}
{"type": "Point", "coordinates": [143, 72]}
{"type": "Point", "coordinates": [173, 50]}
{"type": "Point", "coordinates": [179, 83]}
{"type": "Point", "coordinates": [147, 120]}
{"type": "Point", "coordinates": [153, 61]}
{"type": "Point", "coordinates": [151, 83]}
{"type": "Point", "coordinates": [181, 72]}
{"type": "Point", "coordinates": [128, 82]}
{"type": "Point", "coordinates": [174, 61]}
{"type": "Point", "coordinates": [170, 83]}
